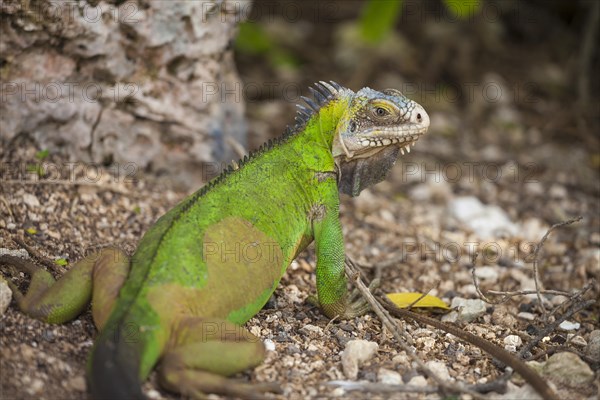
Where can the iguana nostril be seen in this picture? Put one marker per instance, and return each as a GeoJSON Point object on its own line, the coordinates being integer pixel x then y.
{"type": "Point", "coordinates": [419, 117]}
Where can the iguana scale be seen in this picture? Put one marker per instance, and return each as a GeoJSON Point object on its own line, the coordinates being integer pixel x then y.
{"type": "Point", "coordinates": [212, 262]}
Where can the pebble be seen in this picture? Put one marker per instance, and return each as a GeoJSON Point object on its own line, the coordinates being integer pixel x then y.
{"type": "Point", "coordinates": [153, 394]}
{"type": "Point", "coordinates": [35, 386]}
{"type": "Point", "coordinates": [592, 350]}
{"type": "Point", "coordinates": [486, 221]}
{"type": "Point", "coordinates": [418, 380]}
{"type": "Point", "coordinates": [468, 309]}
{"type": "Point", "coordinates": [576, 340]}
{"type": "Point", "coordinates": [5, 296]}
{"type": "Point", "coordinates": [568, 369]}
{"type": "Point", "coordinates": [269, 345]}
{"type": "Point", "coordinates": [440, 369]}
{"type": "Point", "coordinates": [487, 273]}
{"type": "Point", "coordinates": [533, 229]}
{"type": "Point", "coordinates": [30, 200]}
{"type": "Point", "coordinates": [526, 316]}
{"type": "Point", "coordinates": [514, 392]}
{"type": "Point", "coordinates": [356, 353]}
{"type": "Point", "coordinates": [501, 316]}
{"type": "Point", "coordinates": [569, 326]}
{"type": "Point", "coordinates": [389, 377]}
{"type": "Point", "coordinates": [77, 383]}
{"type": "Point", "coordinates": [512, 342]}
{"type": "Point", "coordinates": [22, 253]}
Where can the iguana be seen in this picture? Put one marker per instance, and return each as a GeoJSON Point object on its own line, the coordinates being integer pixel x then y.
{"type": "Point", "coordinates": [212, 262]}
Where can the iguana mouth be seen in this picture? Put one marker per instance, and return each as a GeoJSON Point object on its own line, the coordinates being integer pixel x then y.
{"type": "Point", "coordinates": [405, 141]}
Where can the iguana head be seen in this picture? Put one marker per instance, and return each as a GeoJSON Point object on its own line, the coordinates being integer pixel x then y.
{"type": "Point", "coordinates": [376, 120]}
{"type": "Point", "coordinates": [373, 128]}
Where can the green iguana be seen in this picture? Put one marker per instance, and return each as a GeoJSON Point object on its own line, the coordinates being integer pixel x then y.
{"type": "Point", "coordinates": [211, 263]}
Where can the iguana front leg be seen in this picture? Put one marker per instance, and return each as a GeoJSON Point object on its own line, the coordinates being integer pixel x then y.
{"type": "Point", "coordinates": [332, 291]}
{"type": "Point", "coordinates": [97, 277]}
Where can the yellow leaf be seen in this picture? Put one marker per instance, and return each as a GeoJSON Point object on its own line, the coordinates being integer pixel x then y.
{"type": "Point", "coordinates": [31, 231]}
{"type": "Point", "coordinates": [403, 300]}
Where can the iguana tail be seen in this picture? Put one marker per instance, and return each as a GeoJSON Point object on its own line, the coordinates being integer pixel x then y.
{"type": "Point", "coordinates": [113, 367]}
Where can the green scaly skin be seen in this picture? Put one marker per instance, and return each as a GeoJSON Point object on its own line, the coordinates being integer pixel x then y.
{"type": "Point", "coordinates": [213, 261]}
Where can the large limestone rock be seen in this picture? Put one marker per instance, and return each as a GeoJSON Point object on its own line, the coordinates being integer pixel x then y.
{"type": "Point", "coordinates": [146, 82]}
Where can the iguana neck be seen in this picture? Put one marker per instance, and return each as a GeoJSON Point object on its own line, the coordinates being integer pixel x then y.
{"type": "Point", "coordinates": [320, 130]}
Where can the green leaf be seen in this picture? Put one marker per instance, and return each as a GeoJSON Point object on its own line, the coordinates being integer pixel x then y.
{"type": "Point", "coordinates": [61, 261]}
{"type": "Point", "coordinates": [404, 300]}
{"type": "Point", "coordinates": [42, 154]}
{"type": "Point", "coordinates": [36, 169]}
{"type": "Point", "coordinates": [253, 39]}
{"type": "Point", "coordinates": [378, 19]}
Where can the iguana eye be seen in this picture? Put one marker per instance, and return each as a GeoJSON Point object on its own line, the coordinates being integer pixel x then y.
{"type": "Point", "coordinates": [352, 126]}
{"type": "Point", "coordinates": [381, 112]}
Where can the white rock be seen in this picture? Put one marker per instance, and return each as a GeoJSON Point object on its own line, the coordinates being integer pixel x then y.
{"type": "Point", "coordinates": [418, 380]}
{"type": "Point", "coordinates": [512, 342]}
{"type": "Point", "coordinates": [269, 345]}
{"type": "Point", "coordinates": [533, 229]}
{"type": "Point", "coordinates": [486, 221]}
{"type": "Point", "coordinates": [15, 253]}
{"type": "Point", "coordinates": [576, 340]}
{"type": "Point", "coordinates": [389, 377]}
{"type": "Point", "coordinates": [440, 369]}
{"type": "Point", "coordinates": [487, 273]}
{"type": "Point", "coordinates": [355, 353]}
{"type": "Point", "coordinates": [569, 326]}
{"type": "Point", "coordinates": [5, 296]}
{"type": "Point", "coordinates": [31, 200]}
{"type": "Point", "coordinates": [514, 392]}
{"type": "Point", "coordinates": [526, 316]}
{"type": "Point", "coordinates": [468, 309]}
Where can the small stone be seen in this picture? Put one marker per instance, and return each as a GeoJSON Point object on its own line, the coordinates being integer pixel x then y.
{"type": "Point", "coordinates": [269, 345]}
{"type": "Point", "coordinates": [558, 191]}
{"type": "Point", "coordinates": [576, 340]}
{"type": "Point", "coordinates": [487, 273]}
{"type": "Point", "coordinates": [568, 369]}
{"type": "Point", "coordinates": [389, 377]}
{"type": "Point", "coordinates": [592, 350]}
{"type": "Point", "coordinates": [526, 316]}
{"type": "Point", "coordinates": [440, 369]}
{"type": "Point", "coordinates": [512, 342]}
{"type": "Point", "coordinates": [418, 380]}
{"type": "Point", "coordinates": [5, 296]}
{"type": "Point", "coordinates": [468, 309]}
{"type": "Point", "coordinates": [355, 353]}
{"type": "Point", "coordinates": [35, 386]}
{"type": "Point", "coordinates": [153, 394]}
{"type": "Point", "coordinates": [31, 200]}
{"type": "Point", "coordinates": [486, 221]}
{"type": "Point", "coordinates": [501, 316]}
{"type": "Point", "coordinates": [77, 383]}
{"type": "Point", "coordinates": [569, 326]}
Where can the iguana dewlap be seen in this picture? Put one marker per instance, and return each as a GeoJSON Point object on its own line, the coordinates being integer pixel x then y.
{"type": "Point", "coordinates": [213, 261]}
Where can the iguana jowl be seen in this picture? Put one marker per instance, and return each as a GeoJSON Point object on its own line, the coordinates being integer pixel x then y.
{"type": "Point", "coordinates": [212, 262]}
